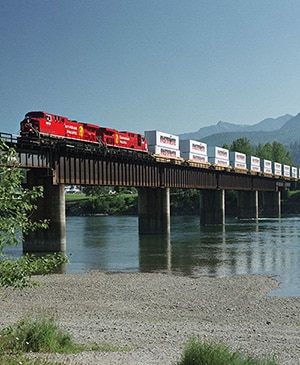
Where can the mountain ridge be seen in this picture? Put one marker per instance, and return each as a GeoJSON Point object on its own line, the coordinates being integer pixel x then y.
{"type": "Point", "coordinates": [284, 129]}
{"type": "Point", "coordinates": [266, 125]}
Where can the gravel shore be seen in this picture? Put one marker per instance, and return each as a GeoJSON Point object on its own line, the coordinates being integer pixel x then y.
{"type": "Point", "coordinates": [151, 316]}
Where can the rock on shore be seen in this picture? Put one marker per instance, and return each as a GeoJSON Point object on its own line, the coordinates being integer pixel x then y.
{"type": "Point", "coordinates": [149, 317]}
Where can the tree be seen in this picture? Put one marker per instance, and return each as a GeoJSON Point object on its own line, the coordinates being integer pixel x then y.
{"type": "Point", "coordinates": [281, 154]}
{"type": "Point", "coordinates": [242, 145]}
{"type": "Point", "coordinates": [274, 152]}
{"type": "Point", "coordinates": [295, 151]}
{"type": "Point", "coordinates": [225, 145]}
{"type": "Point", "coordinates": [269, 151]}
{"type": "Point", "coordinates": [95, 190]}
{"type": "Point", "coordinates": [264, 151]}
{"type": "Point", "coordinates": [16, 207]}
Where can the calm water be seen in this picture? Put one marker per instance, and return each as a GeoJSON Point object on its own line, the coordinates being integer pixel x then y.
{"type": "Point", "coordinates": [112, 244]}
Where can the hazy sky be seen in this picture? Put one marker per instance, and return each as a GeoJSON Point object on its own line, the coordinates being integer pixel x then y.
{"type": "Point", "coordinates": [136, 65]}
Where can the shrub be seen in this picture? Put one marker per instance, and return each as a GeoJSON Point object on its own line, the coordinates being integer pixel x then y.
{"type": "Point", "coordinates": [212, 353]}
{"type": "Point", "coordinates": [41, 335]}
{"type": "Point", "coordinates": [17, 273]}
{"type": "Point", "coordinates": [17, 205]}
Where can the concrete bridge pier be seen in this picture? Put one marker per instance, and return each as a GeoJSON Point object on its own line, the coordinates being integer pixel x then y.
{"type": "Point", "coordinates": [52, 207]}
{"type": "Point", "coordinates": [212, 207]}
{"type": "Point", "coordinates": [247, 204]}
{"type": "Point", "coordinates": [154, 210]}
{"type": "Point", "coordinates": [271, 204]}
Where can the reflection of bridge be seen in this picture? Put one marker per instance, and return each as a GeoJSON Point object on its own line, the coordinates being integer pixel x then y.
{"type": "Point", "coordinates": [54, 167]}
{"type": "Point", "coordinates": [259, 247]}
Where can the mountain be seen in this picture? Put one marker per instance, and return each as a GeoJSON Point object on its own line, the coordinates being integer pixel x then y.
{"type": "Point", "coordinates": [287, 134]}
{"type": "Point", "coordinates": [284, 129]}
{"type": "Point", "coordinates": [220, 127]}
{"type": "Point", "coordinates": [266, 125]}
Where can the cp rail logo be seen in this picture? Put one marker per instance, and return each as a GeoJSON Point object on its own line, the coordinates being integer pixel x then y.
{"type": "Point", "coordinates": [80, 131]}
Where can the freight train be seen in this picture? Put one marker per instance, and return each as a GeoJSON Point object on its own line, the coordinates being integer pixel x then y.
{"type": "Point", "coordinates": [48, 129]}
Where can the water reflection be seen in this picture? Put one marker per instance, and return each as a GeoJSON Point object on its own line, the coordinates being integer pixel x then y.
{"type": "Point", "coordinates": [266, 246]}
{"type": "Point", "coordinates": [155, 253]}
{"type": "Point", "coordinates": [248, 247]}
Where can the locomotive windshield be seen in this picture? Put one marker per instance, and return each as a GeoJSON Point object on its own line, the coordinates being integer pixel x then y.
{"type": "Point", "coordinates": [35, 115]}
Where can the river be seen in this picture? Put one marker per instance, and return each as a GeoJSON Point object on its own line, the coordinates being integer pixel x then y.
{"type": "Point", "coordinates": [112, 244]}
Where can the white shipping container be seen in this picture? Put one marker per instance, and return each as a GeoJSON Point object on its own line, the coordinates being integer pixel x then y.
{"type": "Point", "coordinates": [165, 152]}
{"type": "Point", "coordinates": [218, 161]}
{"type": "Point", "coordinates": [193, 157]}
{"type": "Point", "coordinates": [189, 145]}
{"type": "Point", "coordinates": [294, 172]}
{"type": "Point", "coordinates": [253, 161]}
{"type": "Point", "coordinates": [218, 152]}
{"type": "Point", "coordinates": [286, 171]}
{"type": "Point", "coordinates": [162, 139]}
{"type": "Point", "coordinates": [266, 164]}
{"type": "Point", "coordinates": [238, 165]}
{"type": "Point", "coordinates": [277, 168]}
{"type": "Point", "coordinates": [237, 157]}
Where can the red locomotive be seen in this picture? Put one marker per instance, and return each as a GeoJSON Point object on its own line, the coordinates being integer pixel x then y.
{"type": "Point", "coordinates": [44, 125]}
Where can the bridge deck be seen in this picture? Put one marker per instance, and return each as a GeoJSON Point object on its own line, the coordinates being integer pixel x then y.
{"type": "Point", "coordinates": [70, 166]}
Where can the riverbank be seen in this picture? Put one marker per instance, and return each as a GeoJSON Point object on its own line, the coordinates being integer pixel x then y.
{"type": "Point", "coordinates": [150, 316]}
{"type": "Point", "coordinates": [181, 203]}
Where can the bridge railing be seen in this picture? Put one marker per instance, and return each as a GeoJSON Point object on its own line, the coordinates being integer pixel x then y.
{"type": "Point", "coordinates": [9, 138]}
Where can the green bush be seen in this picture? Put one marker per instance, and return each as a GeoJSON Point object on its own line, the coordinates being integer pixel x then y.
{"type": "Point", "coordinates": [198, 352]}
{"type": "Point", "coordinates": [41, 335]}
{"type": "Point", "coordinates": [17, 273]}
{"type": "Point", "coordinates": [111, 204]}
{"type": "Point", "coordinates": [17, 205]}
{"type": "Point", "coordinates": [185, 202]}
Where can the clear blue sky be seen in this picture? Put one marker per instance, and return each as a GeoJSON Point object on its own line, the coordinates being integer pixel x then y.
{"type": "Point", "coordinates": [136, 65]}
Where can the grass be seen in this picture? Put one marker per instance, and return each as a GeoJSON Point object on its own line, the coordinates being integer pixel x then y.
{"type": "Point", "coordinates": [198, 352]}
{"type": "Point", "coordinates": [22, 360]}
{"type": "Point", "coordinates": [40, 336]}
{"type": "Point", "coordinates": [43, 336]}
{"type": "Point", "coordinates": [76, 197]}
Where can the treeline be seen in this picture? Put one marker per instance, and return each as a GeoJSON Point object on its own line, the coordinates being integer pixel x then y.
{"type": "Point", "coordinates": [274, 151]}
{"type": "Point", "coordinates": [182, 202]}
{"type": "Point", "coordinates": [121, 204]}
{"type": "Point", "coordinates": [295, 150]}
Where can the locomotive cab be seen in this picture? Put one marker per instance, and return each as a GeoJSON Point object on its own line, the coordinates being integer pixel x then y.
{"type": "Point", "coordinates": [30, 125]}
{"type": "Point", "coordinates": [38, 123]}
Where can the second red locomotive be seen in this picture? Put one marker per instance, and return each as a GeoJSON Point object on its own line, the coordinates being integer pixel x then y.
{"type": "Point", "coordinates": [44, 125]}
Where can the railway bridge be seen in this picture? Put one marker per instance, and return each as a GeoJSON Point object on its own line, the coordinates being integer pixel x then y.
{"type": "Point", "coordinates": [55, 167]}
